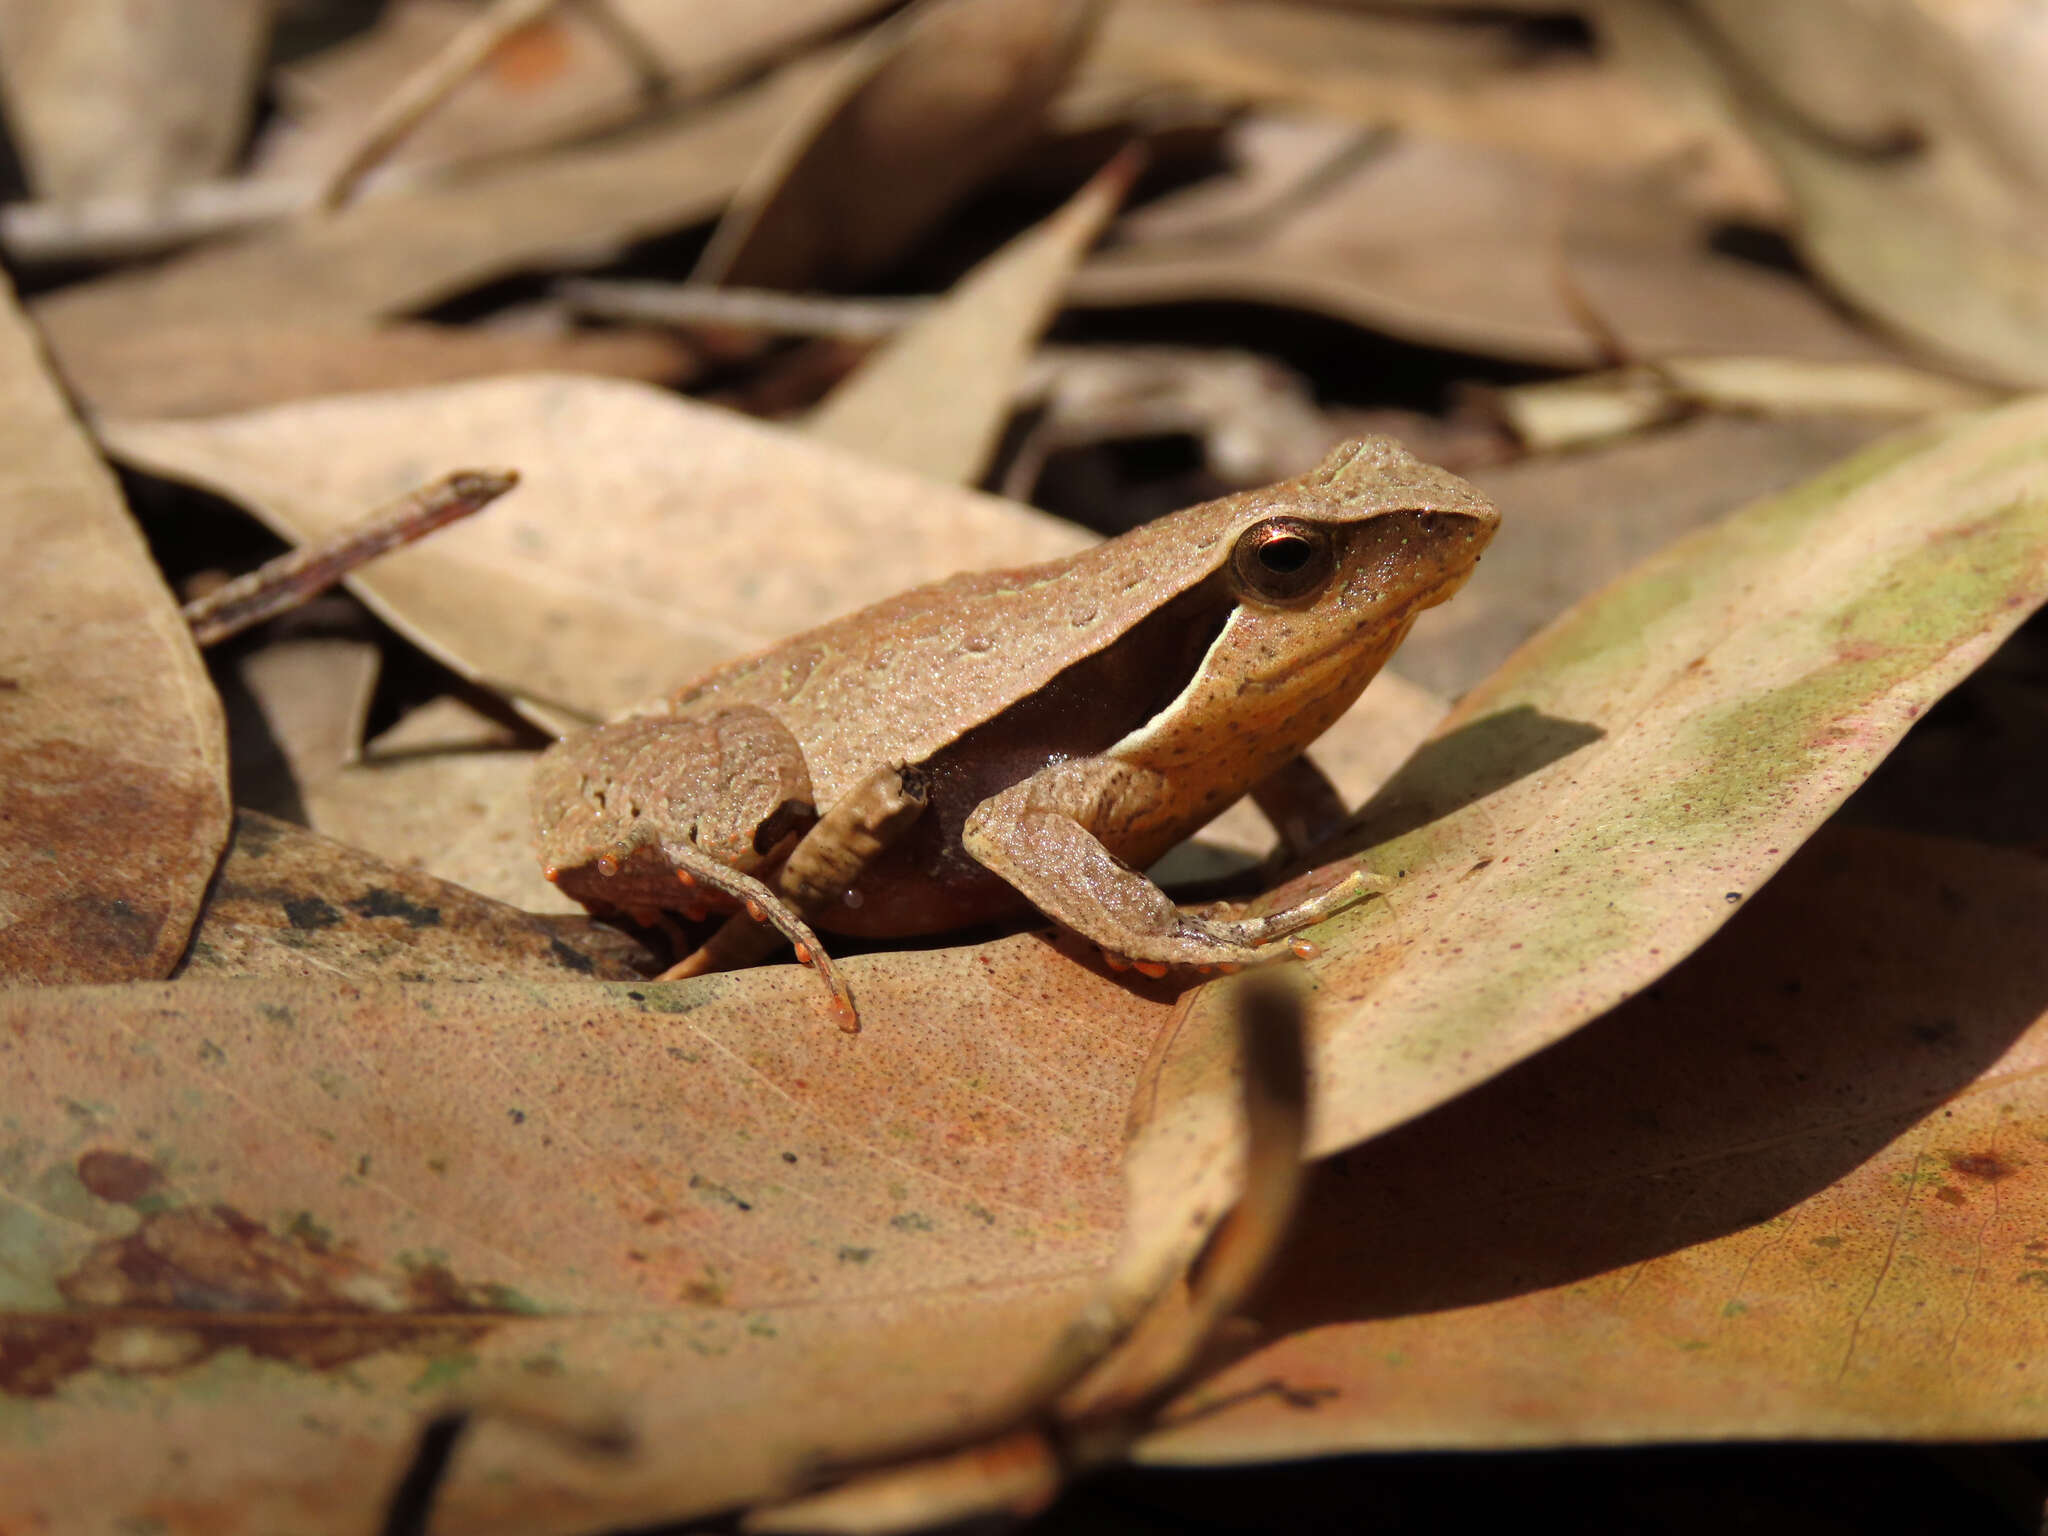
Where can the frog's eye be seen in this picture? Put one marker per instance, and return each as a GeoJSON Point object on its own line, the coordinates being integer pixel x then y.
{"type": "Point", "coordinates": [1282, 559]}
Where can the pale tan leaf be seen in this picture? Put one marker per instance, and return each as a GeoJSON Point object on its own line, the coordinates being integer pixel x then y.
{"type": "Point", "coordinates": [1567, 413]}
{"type": "Point", "coordinates": [107, 97]}
{"type": "Point", "coordinates": [445, 791]}
{"type": "Point", "coordinates": [650, 537]}
{"type": "Point", "coordinates": [113, 765]}
{"type": "Point", "coordinates": [309, 702]}
{"type": "Point", "coordinates": [1909, 139]}
{"type": "Point", "coordinates": [936, 397]}
{"type": "Point", "coordinates": [288, 902]}
{"type": "Point", "coordinates": [209, 368]}
{"type": "Point", "coordinates": [923, 110]}
{"type": "Point", "coordinates": [1597, 808]}
{"type": "Point", "coordinates": [1796, 1190]}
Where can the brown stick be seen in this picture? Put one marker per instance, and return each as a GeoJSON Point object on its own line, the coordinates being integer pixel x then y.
{"type": "Point", "coordinates": [416, 96]}
{"type": "Point", "coordinates": [292, 578]}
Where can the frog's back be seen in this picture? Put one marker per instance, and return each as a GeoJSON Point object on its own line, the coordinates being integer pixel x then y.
{"type": "Point", "coordinates": [902, 680]}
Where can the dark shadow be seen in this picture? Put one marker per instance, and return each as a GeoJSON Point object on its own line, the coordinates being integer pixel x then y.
{"type": "Point", "coordinates": [1452, 771]}
{"type": "Point", "coordinates": [1873, 980]}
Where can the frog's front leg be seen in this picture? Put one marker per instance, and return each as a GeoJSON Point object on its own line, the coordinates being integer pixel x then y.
{"type": "Point", "coordinates": [825, 863]}
{"type": "Point", "coordinates": [1044, 836]}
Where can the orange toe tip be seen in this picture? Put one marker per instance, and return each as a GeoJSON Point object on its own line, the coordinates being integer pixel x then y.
{"type": "Point", "coordinates": [754, 911]}
{"type": "Point", "coordinates": [1115, 962]}
{"type": "Point", "coordinates": [1305, 949]}
{"type": "Point", "coordinates": [1153, 968]}
{"type": "Point", "coordinates": [607, 865]}
{"type": "Point", "coordinates": [803, 954]}
{"type": "Point", "coordinates": [684, 877]}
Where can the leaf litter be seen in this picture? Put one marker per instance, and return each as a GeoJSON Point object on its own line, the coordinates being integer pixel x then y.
{"type": "Point", "coordinates": [374, 1235]}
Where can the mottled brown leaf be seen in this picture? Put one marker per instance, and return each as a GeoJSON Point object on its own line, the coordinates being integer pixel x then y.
{"type": "Point", "coordinates": [113, 782]}
{"type": "Point", "coordinates": [288, 902]}
{"type": "Point", "coordinates": [286, 1219]}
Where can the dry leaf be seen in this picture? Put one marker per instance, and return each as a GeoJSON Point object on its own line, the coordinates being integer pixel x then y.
{"type": "Point", "coordinates": [1579, 521]}
{"type": "Point", "coordinates": [562, 78]}
{"type": "Point", "coordinates": [1568, 413]}
{"type": "Point", "coordinates": [1795, 1190]}
{"type": "Point", "coordinates": [918, 116]}
{"type": "Point", "coordinates": [1454, 246]}
{"type": "Point", "coordinates": [1600, 805]}
{"type": "Point", "coordinates": [1467, 83]}
{"type": "Point", "coordinates": [650, 537]}
{"type": "Point", "coordinates": [758, 1241]}
{"type": "Point", "coordinates": [936, 397]}
{"type": "Point", "coordinates": [112, 764]}
{"type": "Point", "coordinates": [306, 706]}
{"type": "Point", "coordinates": [289, 902]}
{"type": "Point", "coordinates": [1257, 419]}
{"type": "Point", "coordinates": [1909, 138]}
{"type": "Point", "coordinates": [445, 791]}
{"type": "Point", "coordinates": [209, 368]}
{"type": "Point", "coordinates": [108, 97]}
{"type": "Point", "coordinates": [391, 255]}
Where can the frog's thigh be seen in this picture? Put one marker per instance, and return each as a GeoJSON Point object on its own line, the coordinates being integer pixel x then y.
{"type": "Point", "coordinates": [1036, 835]}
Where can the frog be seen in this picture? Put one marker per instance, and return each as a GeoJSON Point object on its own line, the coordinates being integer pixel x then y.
{"type": "Point", "coordinates": [1025, 739]}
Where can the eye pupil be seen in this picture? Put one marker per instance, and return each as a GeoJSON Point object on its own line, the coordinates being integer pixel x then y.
{"type": "Point", "coordinates": [1285, 555]}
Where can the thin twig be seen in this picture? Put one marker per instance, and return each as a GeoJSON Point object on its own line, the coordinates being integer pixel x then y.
{"type": "Point", "coordinates": [292, 578]}
{"type": "Point", "coordinates": [125, 224]}
{"type": "Point", "coordinates": [746, 309]}
{"type": "Point", "coordinates": [420, 92]}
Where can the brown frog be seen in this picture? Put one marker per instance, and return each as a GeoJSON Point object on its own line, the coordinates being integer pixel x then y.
{"type": "Point", "coordinates": [1027, 738]}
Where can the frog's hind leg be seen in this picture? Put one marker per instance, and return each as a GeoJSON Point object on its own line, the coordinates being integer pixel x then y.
{"type": "Point", "coordinates": [750, 935]}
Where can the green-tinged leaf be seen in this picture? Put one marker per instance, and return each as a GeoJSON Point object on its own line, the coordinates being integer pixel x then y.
{"type": "Point", "coordinates": [1797, 1189]}
{"type": "Point", "coordinates": [1594, 811]}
